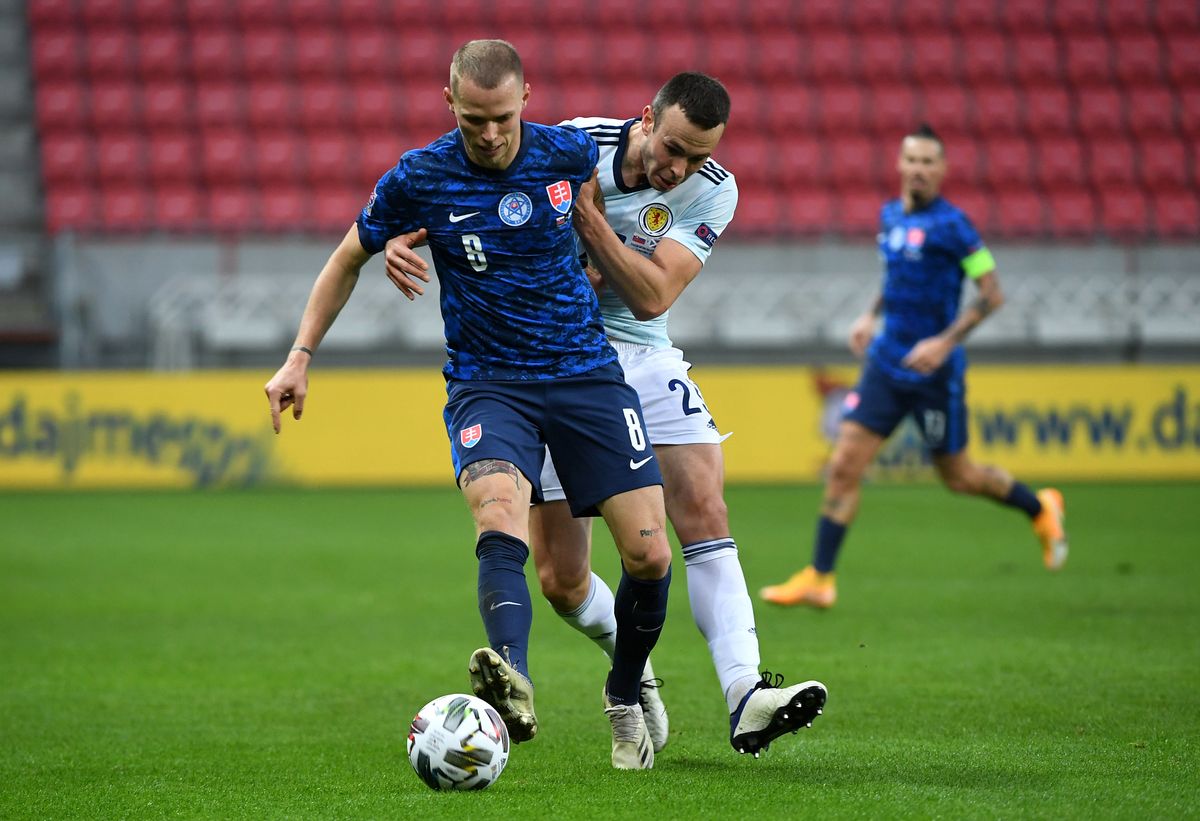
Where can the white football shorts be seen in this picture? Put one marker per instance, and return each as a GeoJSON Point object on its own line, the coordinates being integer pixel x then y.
{"type": "Point", "coordinates": [672, 406]}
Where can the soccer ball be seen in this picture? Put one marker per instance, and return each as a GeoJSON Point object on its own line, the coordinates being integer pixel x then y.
{"type": "Point", "coordinates": [458, 742]}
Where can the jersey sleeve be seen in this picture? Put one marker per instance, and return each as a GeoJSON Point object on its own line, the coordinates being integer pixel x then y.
{"type": "Point", "coordinates": [699, 227]}
{"type": "Point", "coordinates": [973, 256]}
{"type": "Point", "coordinates": [387, 212]}
{"type": "Point", "coordinates": [589, 153]}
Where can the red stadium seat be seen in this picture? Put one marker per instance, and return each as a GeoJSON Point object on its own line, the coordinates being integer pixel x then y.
{"type": "Point", "coordinates": [104, 13]}
{"type": "Point", "coordinates": [802, 165]}
{"type": "Point", "coordinates": [1189, 112]}
{"type": "Point", "coordinates": [579, 13]}
{"type": "Point", "coordinates": [330, 157]}
{"type": "Point", "coordinates": [769, 15]}
{"type": "Point", "coordinates": [201, 14]}
{"type": "Point", "coordinates": [1019, 212]}
{"type": "Point", "coordinates": [285, 208]}
{"type": "Point", "coordinates": [232, 209]}
{"type": "Point", "coordinates": [369, 53]}
{"type": "Point", "coordinates": [963, 162]}
{"type": "Point", "coordinates": [278, 159]}
{"type": "Point", "coordinates": [271, 104]}
{"type": "Point", "coordinates": [124, 208]}
{"type": "Point", "coordinates": [375, 105]}
{"type": "Point", "coordinates": [1183, 57]}
{"type": "Point", "coordinates": [1076, 16]}
{"type": "Point", "coordinates": [1099, 111]}
{"type": "Point", "coordinates": [154, 14]}
{"type": "Point", "coordinates": [1089, 59]}
{"type": "Point", "coordinates": [997, 110]}
{"type": "Point", "coordinates": [1151, 110]}
{"type": "Point", "coordinates": [1127, 15]}
{"type": "Point", "coordinates": [267, 52]}
{"type": "Point", "coordinates": [791, 111]}
{"type": "Point", "coordinates": [947, 108]}
{"type": "Point", "coordinates": [225, 158]}
{"type": "Point", "coordinates": [922, 15]}
{"type": "Point", "coordinates": [374, 157]}
{"type": "Point", "coordinates": [44, 14]}
{"type": "Point", "coordinates": [1072, 213]}
{"type": "Point", "coordinates": [672, 51]}
{"type": "Point", "coordinates": [807, 211]}
{"type": "Point", "coordinates": [334, 209]}
{"type": "Point", "coordinates": [813, 15]}
{"type": "Point", "coordinates": [780, 59]}
{"type": "Point", "coordinates": [71, 208]}
{"type": "Point", "coordinates": [745, 156]}
{"type": "Point", "coordinates": [1112, 161]}
{"type": "Point", "coordinates": [66, 158]}
{"type": "Point", "coordinates": [218, 105]}
{"type": "Point", "coordinates": [423, 53]}
{"type": "Point", "coordinates": [216, 54]}
{"type": "Point", "coordinates": [985, 57]}
{"type": "Point", "coordinates": [109, 53]}
{"type": "Point", "coordinates": [729, 57]}
{"type": "Point", "coordinates": [1047, 110]}
{"type": "Point", "coordinates": [858, 211]}
{"type": "Point", "coordinates": [883, 56]}
{"type": "Point", "coordinates": [871, 15]}
{"type": "Point", "coordinates": [892, 110]}
{"type": "Point", "coordinates": [854, 161]}
{"type": "Point", "coordinates": [1164, 163]}
{"type": "Point", "coordinates": [178, 208]}
{"type": "Point", "coordinates": [1008, 162]}
{"type": "Point", "coordinates": [1123, 212]}
{"type": "Point", "coordinates": [974, 16]}
{"type": "Point", "coordinates": [113, 105]}
{"type": "Point", "coordinates": [621, 58]}
{"type": "Point", "coordinates": [167, 105]}
{"type": "Point", "coordinates": [839, 108]}
{"type": "Point", "coordinates": [760, 212]}
{"type": "Point", "coordinates": [717, 18]}
{"type": "Point", "coordinates": [172, 158]}
{"type": "Point", "coordinates": [55, 54]}
{"type": "Point", "coordinates": [1176, 15]}
{"type": "Point", "coordinates": [1036, 58]}
{"type": "Point", "coordinates": [1060, 162]}
{"type": "Point", "coordinates": [60, 105]}
{"type": "Point", "coordinates": [1024, 16]}
{"type": "Point", "coordinates": [303, 13]}
{"type": "Point", "coordinates": [751, 102]}
{"type": "Point", "coordinates": [318, 53]}
{"type": "Point", "coordinates": [1138, 57]}
{"type": "Point", "coordinates": [120, 157]}
{"type": "Point", "coordinates": [322, 104]}
{"type": "Point", "coordinates": [573, 52]}
{"type": "Point", "coordinates": [934, 57]}
{"type": "Point", "coordinates": [831, 56]}
{"type": "Point", "coordinates": [252, 14]}
{"type": "Point", "coordinates": [161, 53]}
{"type": "Point", "coordinates": [1176, 213]}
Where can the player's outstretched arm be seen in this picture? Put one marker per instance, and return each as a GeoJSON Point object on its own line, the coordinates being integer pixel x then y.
{"type": "Point", "coordinates": [862, 330]}
{"type": "Point", "coordinates": [289, 386]}
{"type": "Point", "coordinates": [649, 287]}
{"type": "Point", "coordinates": [929, 354]}
{"type": "Point", "coordinates": [404, 266]}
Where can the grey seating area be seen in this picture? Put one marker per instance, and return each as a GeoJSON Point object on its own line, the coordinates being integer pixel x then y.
{"type": "Point", "coordinates": [171, 305]}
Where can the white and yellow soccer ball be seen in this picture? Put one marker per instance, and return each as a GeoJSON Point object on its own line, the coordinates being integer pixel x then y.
{"type": "Point", "coordinates": [458, 742]}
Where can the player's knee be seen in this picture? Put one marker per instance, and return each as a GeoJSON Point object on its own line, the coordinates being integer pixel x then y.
{"type": "Point", "coordinates": [648, 561]}
{"type": "Point", "coordinates": [699, 516]}
{"type": "Point", "coordinates": [564, 589]}
{"type": "Point", "coordinates": [843, 474]}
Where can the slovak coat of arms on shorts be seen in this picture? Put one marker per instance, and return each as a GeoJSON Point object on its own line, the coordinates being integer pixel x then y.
{"type": "Point", "coordinates": [470, 436]}
{"type": "Point", "coordinates": [516, 208]}
{"type": "Point", "coordinates": [560, 196]}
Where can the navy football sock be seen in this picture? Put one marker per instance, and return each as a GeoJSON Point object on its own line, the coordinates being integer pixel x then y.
{"type": "Point", "coordinates": [641, 609]}
{"type": "Point", "coordinates": [829, 541]}
{"type": "Point", "coordinates": [1023, 498]}
{"type": "Point", "coordinates": [503, 596]}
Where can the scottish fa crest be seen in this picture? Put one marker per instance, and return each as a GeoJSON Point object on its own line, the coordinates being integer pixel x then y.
{"type": "Point", "coordinates": [655, 219]}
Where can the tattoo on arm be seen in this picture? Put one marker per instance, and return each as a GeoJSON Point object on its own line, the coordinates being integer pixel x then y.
{"type": "Point", "coordinates": [487, 467]}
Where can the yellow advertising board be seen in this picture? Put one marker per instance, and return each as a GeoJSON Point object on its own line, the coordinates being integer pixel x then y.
{"type": "Point", "coordinates": [212, 428]}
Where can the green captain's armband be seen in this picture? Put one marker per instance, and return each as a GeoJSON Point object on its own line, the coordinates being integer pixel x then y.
{"type": "Point", "coordinates": [979, 263]}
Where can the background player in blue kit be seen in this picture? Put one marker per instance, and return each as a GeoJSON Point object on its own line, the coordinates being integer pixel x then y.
{"type": "Point", "coordinates": [528, 367]}
{"type": "Point", "coordinates": [915, 366]}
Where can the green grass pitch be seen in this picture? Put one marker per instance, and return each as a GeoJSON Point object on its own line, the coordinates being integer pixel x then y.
{"type": "Point", "coordinates": [258, 655]}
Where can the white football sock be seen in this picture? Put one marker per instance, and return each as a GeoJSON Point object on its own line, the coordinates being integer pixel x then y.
{"type": "Point", "coordinates": [724, 613]}
{"type": "Point", "coordinates": [594, 618]}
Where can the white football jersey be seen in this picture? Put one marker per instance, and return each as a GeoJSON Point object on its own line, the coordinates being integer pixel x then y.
{"type": "Point", "coordinates": [693, 214]}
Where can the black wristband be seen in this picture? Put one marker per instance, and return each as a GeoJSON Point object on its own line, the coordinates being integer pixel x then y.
{"type": "Point", "coordinates": [302, 348]}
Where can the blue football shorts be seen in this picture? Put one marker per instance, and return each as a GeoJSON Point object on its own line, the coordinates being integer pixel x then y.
{"type": "Point", "coordinates": [593, 422]}
{"type": "Point", "coordinates": [938, 406]}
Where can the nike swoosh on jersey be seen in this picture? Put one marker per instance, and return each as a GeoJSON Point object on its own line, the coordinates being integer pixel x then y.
{"type": "Point", "coordinates": [461, 217]}
{"type": "Point", "coordinates": [635, 465]}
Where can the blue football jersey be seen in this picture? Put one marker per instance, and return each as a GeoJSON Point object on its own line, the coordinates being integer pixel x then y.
{"type": "Point", "coordinates": [926, 255]}
{"type": "Point", "coordinates": [515, 302]}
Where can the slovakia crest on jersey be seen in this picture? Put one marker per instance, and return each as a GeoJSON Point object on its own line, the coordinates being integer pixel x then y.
{"type": "Point", "coordinates": [560, 196]}
{"type": "Point", "coordinates": [470, 436]}
{"type": "Point", "coordinates": [915, 238]}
